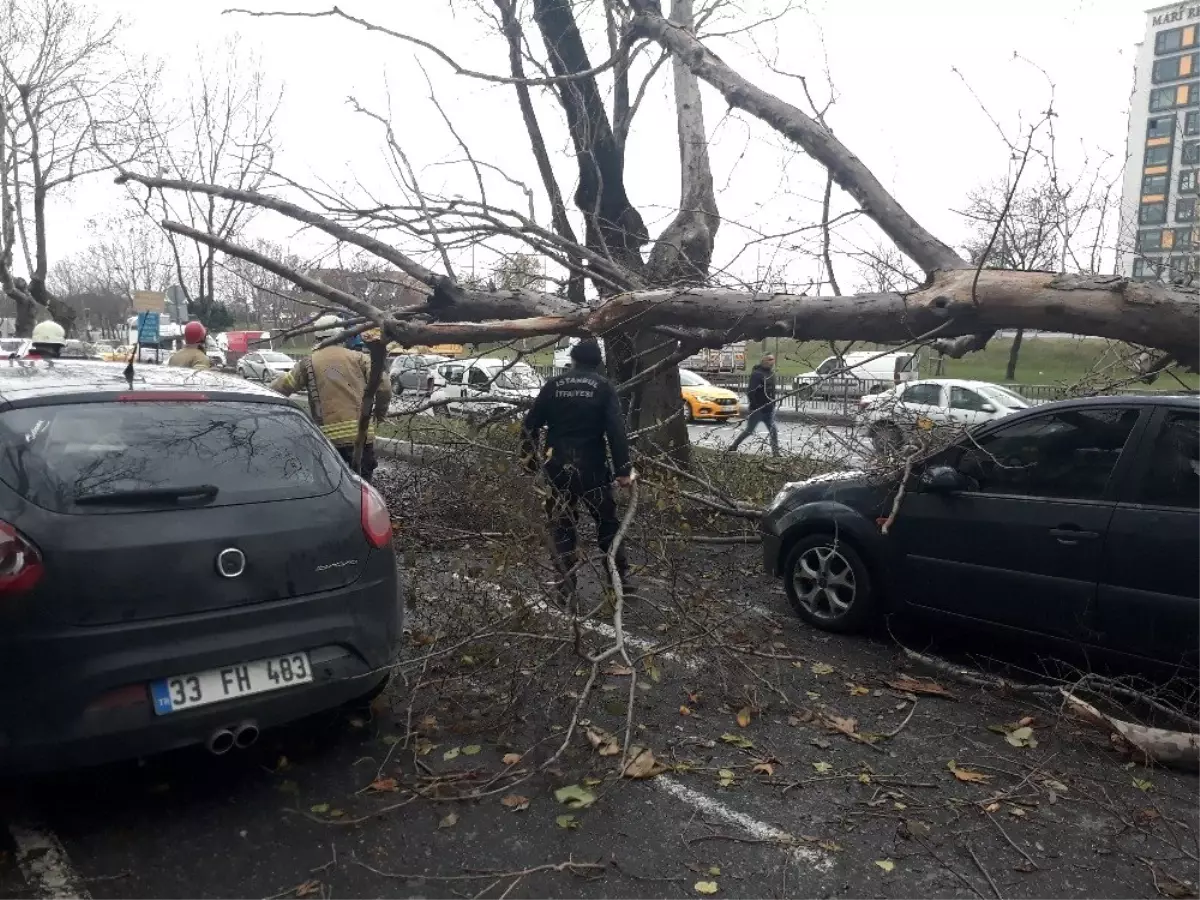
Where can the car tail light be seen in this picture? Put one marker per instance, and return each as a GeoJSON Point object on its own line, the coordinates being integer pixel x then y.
{"type": "Point", "coordinates": [20, 562]}
{"type": "Point", "coordinates": [376, 523]}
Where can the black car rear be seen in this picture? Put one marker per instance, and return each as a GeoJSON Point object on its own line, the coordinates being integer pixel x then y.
{"type": "Point", "coordinates": [181, 560]}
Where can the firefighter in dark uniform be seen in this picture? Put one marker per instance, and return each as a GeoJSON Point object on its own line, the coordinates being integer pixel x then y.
{"type": "Point", "coordinates": [581, 413]}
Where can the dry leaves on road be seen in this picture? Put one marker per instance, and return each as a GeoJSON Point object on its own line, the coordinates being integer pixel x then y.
{"type": "Point", "coordinates": [642, 764]}
{"type": "Point", "coordinates": [515, 802]}
{"type": "Point", "coordinates": [743, 717]}
{"type": "Point", "coordinates": [705, 887]}
{"type": "Point", "coordinates": [511, 759]}
{"type": "Point", "coordinates": [449, 820]}
{"type": "Point", "coordinates": [822, 669]}
{"type": "Point", "coordinates": [603, 742]}
{"type": "Point", "coordinates": [966, 774]}
{"type": "Point", "coordinates": [383, 785]}
{"type": "Point", "coordinates": [574, 796]}
{"type": "Point", "coordinates": [920, 686]}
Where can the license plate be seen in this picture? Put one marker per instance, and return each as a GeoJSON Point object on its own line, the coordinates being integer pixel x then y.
{"type": "Point", "coordinates": [229, 683]}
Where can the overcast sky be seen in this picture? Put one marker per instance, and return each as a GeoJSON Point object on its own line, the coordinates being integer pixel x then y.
{"type": "Point", "coordinates": [900, 106]}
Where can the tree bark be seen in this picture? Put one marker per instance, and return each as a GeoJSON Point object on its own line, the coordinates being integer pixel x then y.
{"type": "Point", "coordinates": [1010, 371]}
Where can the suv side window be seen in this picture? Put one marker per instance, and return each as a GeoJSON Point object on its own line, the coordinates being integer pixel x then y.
{"type": "Point", "coordinates": [830, 365]}
{"type": "Point", "coordinates": [452, 374]}
{"type": "Point", "coordinates": [964, 398]}
{"type": "Point", "coordinates": [1067, 454]}
{"type": "Point", "coordinates": [923, 394]}
{"type": "Point", "coordinates": [1173, 478]}
{"type": "Point", "coordinates": [478, 378]}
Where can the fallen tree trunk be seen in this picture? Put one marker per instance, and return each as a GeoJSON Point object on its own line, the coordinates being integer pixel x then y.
{"type": "Point", "coordinates": [1160, 745]}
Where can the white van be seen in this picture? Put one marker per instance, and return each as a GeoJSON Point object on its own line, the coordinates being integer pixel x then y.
{"type": "Point", "coordinates": [857, 374]}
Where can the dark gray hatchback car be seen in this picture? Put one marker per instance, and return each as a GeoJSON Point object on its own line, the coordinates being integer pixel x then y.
{"type": "Point", "coordinates": [184, 559]}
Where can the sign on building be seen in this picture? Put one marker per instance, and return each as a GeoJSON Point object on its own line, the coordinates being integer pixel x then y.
{"type": "Point", "coordinates": [149, 301]}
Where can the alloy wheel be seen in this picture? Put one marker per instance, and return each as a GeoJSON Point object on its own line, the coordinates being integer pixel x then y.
{"type": "Point", "coordinates": [824, 582]}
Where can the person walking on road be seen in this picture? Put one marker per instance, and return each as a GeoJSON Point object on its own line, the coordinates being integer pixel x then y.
{"type": "Point", "coordinates": [762, 404]}
{"type": "Point", "coordinates": [336, 379]}
{"type": "Point", "coordinates": [192, 356]}
{"type": "Point", "coordinates": [581, 413]}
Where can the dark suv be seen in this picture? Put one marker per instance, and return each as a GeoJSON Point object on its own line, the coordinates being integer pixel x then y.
{"type": "Point", "coordinates": [183, 559]}
{"type": "Point", "coordinates": [1077, 520]}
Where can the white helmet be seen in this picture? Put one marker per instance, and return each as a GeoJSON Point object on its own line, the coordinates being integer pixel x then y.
{"type": "Point", "coordinates": [49, 332]}
{"type": "Point", "coordinates": [327, 327]}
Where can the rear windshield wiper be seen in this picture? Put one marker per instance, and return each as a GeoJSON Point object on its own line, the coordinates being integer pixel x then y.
{"type": "Point", "coordinates": [151, 495]}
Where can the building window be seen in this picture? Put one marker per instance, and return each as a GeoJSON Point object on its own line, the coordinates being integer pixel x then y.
{"type": "Point", "coordinates": [1163, 98]}
{"type": "Point", "coordinates": [1191, 123]}
{"type": "Point", "coordinates": [1168, 239]}
{"type": "Point", "coordinates": [1147, 268]}
{"type": "Point", "coordinates": [1185, 238]}
{"type": "Point", "coordinates": [1175, 39]}
{"type": "Point", "coordinates": [1185, 209]}
{"type": "Point", "coordinates": [1191, 153]}
{"type": "Point", "coordinates": [1152, 213]}
{"type": "Point", "coordinates": [1159, 156]}
{"type": "Point", "coordinates": [1154, 184]}
{"type": "Point", "coordinates": [1174, 68]}
{"type": "Point", "coordinates": [1150, 239]}
{"type": "Point", "coordinates": [1160, 126]}
{"type": "Point", "coordinates": [1187, 181]}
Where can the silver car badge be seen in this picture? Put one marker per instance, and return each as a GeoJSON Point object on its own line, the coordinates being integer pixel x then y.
{"type": "Point", "coordinates": [231, 562]}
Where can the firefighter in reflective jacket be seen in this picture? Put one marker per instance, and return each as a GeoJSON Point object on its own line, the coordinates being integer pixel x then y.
{"type": "Point", "coordinates": [336, 380]}
{"type": "Point", "coordinates": [192, 356]}
{"type": "Point", "coordinates": [581, 413]}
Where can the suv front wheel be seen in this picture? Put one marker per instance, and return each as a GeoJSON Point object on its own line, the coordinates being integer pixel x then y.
{"type": "Point", "coordinates": [828, 583]}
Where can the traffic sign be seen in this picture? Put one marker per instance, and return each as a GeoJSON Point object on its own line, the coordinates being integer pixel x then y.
{"type": "Point", "coordinates": [149, 301]}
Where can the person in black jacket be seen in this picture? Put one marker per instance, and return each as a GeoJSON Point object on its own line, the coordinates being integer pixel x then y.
{"type": "Point", "coordinates": [762, 404]}
{"type": "Point", "coordinates": [581, 413]}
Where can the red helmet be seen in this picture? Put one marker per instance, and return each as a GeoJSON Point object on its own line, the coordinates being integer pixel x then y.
{"type": "Point", "coordinates": [194, 333]}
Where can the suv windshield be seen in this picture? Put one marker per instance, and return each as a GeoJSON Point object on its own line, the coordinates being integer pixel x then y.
{"type": "Point", "coordinates": [57, 455]}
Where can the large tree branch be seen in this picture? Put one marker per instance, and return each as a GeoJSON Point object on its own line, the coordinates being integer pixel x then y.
{"type": "Point", "coordinates": [846, 168]}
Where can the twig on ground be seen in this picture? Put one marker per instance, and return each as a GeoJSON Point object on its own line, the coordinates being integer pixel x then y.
{"type": "Point", "coordinates": [979, 866]}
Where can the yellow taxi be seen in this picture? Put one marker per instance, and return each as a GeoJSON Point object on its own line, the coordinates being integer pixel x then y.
{"type": "Point", "coordinates": [704, 401]}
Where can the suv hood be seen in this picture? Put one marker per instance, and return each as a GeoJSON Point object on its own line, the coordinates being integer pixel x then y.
{"type": "Point", "coordinates": [819, 486]}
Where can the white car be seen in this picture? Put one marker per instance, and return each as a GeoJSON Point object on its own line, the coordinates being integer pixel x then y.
{"type": "Point", "coordinates": [562, 356]}
{"type": "Point", "coordinates": [264, 365]}
{"type": "Point", "coordinates": [934, 402]}
{"type": "Point", "coordinates": [478, 381]}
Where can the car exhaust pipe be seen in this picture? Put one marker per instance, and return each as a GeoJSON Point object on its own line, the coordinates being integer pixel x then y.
{"type": "Point", "coordinates": [220, 742]}
{"type": "Point", "coordinates": [245, 735]}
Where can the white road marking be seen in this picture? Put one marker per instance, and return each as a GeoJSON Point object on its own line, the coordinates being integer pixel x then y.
{"type": "Point", "coordinates": [45, 864]}
{"type": "Point", "coordinates": [752, 826]}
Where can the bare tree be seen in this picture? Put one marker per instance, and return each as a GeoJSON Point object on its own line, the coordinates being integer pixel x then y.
{"type": "Point", "coordinates": [224, 136]}
{"type": "Point", "coordinates": [65, 91]}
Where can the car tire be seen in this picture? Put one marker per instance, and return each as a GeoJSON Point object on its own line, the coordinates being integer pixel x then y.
{"type": "Point", "coordinates": [266, 377]}
{"type": "Point", "coordinates": [688, 415]}
{"type": "Point", "coordinates": [828, 583]}
{"type": "Point", "coordinates": [805, 393]}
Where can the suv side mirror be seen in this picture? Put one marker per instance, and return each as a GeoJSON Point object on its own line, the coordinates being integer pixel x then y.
{"type": "Point", "coordinates": [988, 408]}
{"type": "Point", "coordinates": [943, 480]}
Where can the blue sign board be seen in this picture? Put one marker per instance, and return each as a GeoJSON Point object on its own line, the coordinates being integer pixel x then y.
{"type": "Point", "coordinates": [148, 328]}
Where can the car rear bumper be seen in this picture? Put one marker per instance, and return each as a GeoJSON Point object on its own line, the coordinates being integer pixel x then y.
{"type": "Point", "coordinates": [79, 696]}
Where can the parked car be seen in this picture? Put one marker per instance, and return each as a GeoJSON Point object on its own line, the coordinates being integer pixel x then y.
{"type": "Point", "coordinates": [14, 347]}
{"type": "Point", "coordinates": [183, 560]}
{"type": "Point", "coordinates": [1075, 520]}
{"type": "Point", "coordinates": [76, 349]}
{"type": "Point", "coordinates": [479, 382]}
{"type": "Point", "coordinates": [933, 403]}
{"type": "Point", "coordinates": [704, 401]}
{"type": "Point", "coordinates": [409, 372]}
{"type": "Point", "coordinates": [264, 365]}
{"type": "Point", "coordinates": [856, 374]}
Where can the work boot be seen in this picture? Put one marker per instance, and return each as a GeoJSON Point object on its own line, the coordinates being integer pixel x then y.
{"type": "Point", "coordinates": [563, 591]}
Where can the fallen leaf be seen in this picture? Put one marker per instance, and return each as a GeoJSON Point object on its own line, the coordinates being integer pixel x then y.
{"type": "Point", "coordinates": [471, 749]}
{"type": "Point", "coordinates": [308, 888]}
{"type": "Point", "coordinates": [652, 670]}
{"type": "Point", "coordinates": [725, 777]}
{"type": "Point", "coordinates": [384, 784]}
{"type": "Point", "coordinates": [603, 742]}
{"type": "Point", "coordinates": [1026, 720]}
{"type": "Point", "coordinates": [821, 743]}
{"type": "Point", "coordinates": [452, 753]}
{"type": "Point", "coordinates": [618, 671]}
{"type": "Point", "coordinates": [392, 739]}
{"type": "Point", "coordinates": [1142, 784]}
{"type": "Point", "coordinates": [822, 767]}
{"type": "Point", "coordinates": [566, 822]}
{"type": "Point", "coordinates": [429, 723]}
{"type": "Point", "coordinates": [763, 768]}
{"type": "Point", "coordinates": [714, 870]}
{"type": "Point", "coordinates": [919, 686]}
{"type": "Point", "coordinates": [281, 764]}
{"type": "Point", "coordinates": [966, 774]}
{"type": "Point", "coordinates": [992, 807]}
{"type": "Point", "coordinates": [592, 782]}
{"type": "Point", "coordinates": [1057, 786]}
{"type": "Point", "coordinates": [319, 808]}
{"type": "Point", "coordinates": [515, 802]}
{"type": "Point", "coordinates": [705, 887]}
{"type": "Point", "coordinates": [449, 820]}
{"type": "Point", "coordinates": [467, 660]}
{"type": "Point", "coordinates": [356, 721]}
{"type": "Point", "coordinates": [913, 828]}
{"type": "Point", "coordinates": [423, 746]}
{"type": "Point", "coordinates": [1145, 816]}
{"type": "Point", "coordinates": [574, 796]}
{"type": "Point", "coordinates": [337, 813]}
{"type": "Point", "coordinates": [822, 669]}
{"type": "Point", "coordinates": [511, 759]}
{"type": "Point", "coordinates": [743, 717]}
{"type": "Point", "coordinates": [813, 695]}
{"type": "Point", "coordinates": [844, 725]}
{"type": "Point", "coordinates": [738, 741]}
{"type": "Point", "coordinates": [685, 711]}
{"type": "Point", "coordinates": [857, 690]}
{"type": "Point", "coordinates": [1016, 811]}
{"type": "Point", "coordinates": [886, 864]}
{"type": "Point", "coordinates": [642, 764]}
{"type": "Point", "coordinates": [864, 777]}
{"type": "Point", "coordinates": [1021, 737]}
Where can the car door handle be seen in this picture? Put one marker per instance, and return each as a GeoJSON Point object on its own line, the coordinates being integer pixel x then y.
{"type": "Point", "coordinates": [1072, 534]}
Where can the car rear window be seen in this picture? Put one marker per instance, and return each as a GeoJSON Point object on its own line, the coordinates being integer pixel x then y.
{"type": "Point", "coordinates": [251, 452]}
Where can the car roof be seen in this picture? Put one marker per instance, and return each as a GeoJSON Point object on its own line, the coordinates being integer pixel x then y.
{"type": "Point", "coordinates": [955, 382]}
{"type": "Point", "coordinates": [864, 355]}
{"type": "Point", "coordinates": [24, 381]}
